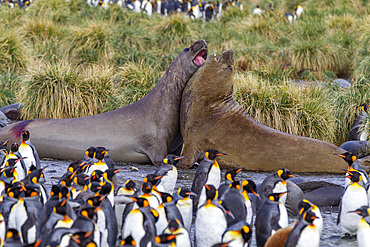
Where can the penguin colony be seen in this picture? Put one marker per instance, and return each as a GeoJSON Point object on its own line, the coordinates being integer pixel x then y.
{"type": "Point", "coordinates": [88, 208]}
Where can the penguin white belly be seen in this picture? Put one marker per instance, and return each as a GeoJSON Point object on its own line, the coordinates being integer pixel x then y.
{"type": "Point", "coordinates": [283, 221]}
{"type": "Point", "coordinates": [299, 11]}
{"type": "Point", "coordinates": [102, 228]}
{"type": "Point", "coordinates": [26, 151]}
{"type": "Point", "coordinates": [161, 223]}
{"type": "Point", "coordinates": [137, 6]}
{"type": "Point", "coordinates": [249, 209]}
{"type": "Point", "coordinates": [202, 197]}
{"type": "Point", "coordinates": [235, 238]}
{"type": "Point", "coordinates": [2, 228]}
{"type": "Point", "coordinates": [363, 234]}
{"type": "Point", "coordinates": [318, 222]}
{"type": "Point", "coordinates": [210, 224]}
{"type": "Point", "coordinates": [31, 234]}
{"type": "Point", "coordinates": [168, 182]}
{"type": "Point", "coordinates": [95, 167]}
{"type": "Point", "coordinates": [17, 216]}
{"type": "Point", "coordinates": [20, 171]}
{"type": "Point", "coordinates": [134, 226]}
{"type": "Point", "coordinates": [185, 207]}
{"type": "Point", "coordinates": [214, 177]}
{"type": "Point", "coordinates": [354, 197]}
{"type": "Point", "coordinates": [64, 224]}
{"type": "Point", "coordinates": [310, 237]}
{"type": "Point", "coordinates": [64, 242]}
{"type": "Point", "coordinates": [119, 208]}
{"type": "Point", "coordinates": [159, 3]}
{"type": "Point", "coordinates": [148, 8]}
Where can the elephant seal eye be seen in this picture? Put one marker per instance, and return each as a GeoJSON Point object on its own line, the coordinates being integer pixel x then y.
{"type": "Point", "coordinates": [186, 49]}
{"type": "Point", "coordinates": [230, 67]}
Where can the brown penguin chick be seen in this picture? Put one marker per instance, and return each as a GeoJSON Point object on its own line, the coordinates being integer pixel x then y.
{"type": "Point", "coordinates": [279, 238]}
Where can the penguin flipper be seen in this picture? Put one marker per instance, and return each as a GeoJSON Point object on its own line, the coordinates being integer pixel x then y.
{"type": "Point", "coordinates": [339, 212]}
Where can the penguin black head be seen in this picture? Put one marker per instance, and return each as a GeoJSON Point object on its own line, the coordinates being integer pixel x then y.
{"type": "Point", "coordinates": [12, 162]}
{"type": "Point", "coordinates": [363, 211]}
{"type": "Point", "coordinates": [55, 189]}
{"type": "Point", "coordinates": [15, 192]}
{"type": "Point", "coordinates": [211, 154]}
{"type": "Point", "coordinates": [3, 145]}
{"type": "Point", "coordinates": [303, 206]}
{"type": "Point", "coordinates": [13, 234]}
{"type": "Point", "coordinates": [129, 241]}
{"type": "Point", "coordinates": [35, 176]}
{"type": "Point", "coordinates": [25, 135]}
{"type": "Point", "coordinates": [61, 207]}
{"type": "Point", "coordinates": [90, 152]}
{"type": "Point", "coordinates": [84, 239]}
{"type": "Point", "coordinates": [211, 192]}
{"type": "Point", "coordinates": [14, 147]}
{"type": "Point", "coordinates": [100, 152]}
{"type": "Point", "coordinates": [364, 107]}
{"type": "Point", "coordinates": [246, 232]}
{"type": "Point", "coordinates": [285, 174]}
{"type": "Point", "coordinates": [153, 179]}
{"type": "Point", "coordinates": [309, 216]}
{"type": "Point", "coordinates": [31, 192]}
{"type": "Point", "coordinates": [146, 187]}
{"type": "Point", "coordinates": [109, 173]}
{"type": "Point", "coordinates": [95, 201]}
{"type": "Point", "coordinates": [141, 202]}
{"type": "Point", "coordinates": [88, 213]}
{"type": "Point", "coordinates": [275, 196]}
{"type": "Point", "coordinates": [9, 172]}
{"type": "Point", "coordinates": [348, 157]}
{"type": "Point", "coordinates": [173, 225]}
{"type": "Point", "coordinates": [97, 173]}
{"type": "Point", "coordinates": [32, 168]}
{"type": "Point", "coordinates": [166, 198]}
{"type": "Point", "coordinates": [130, 185]}
{"type": "Point", "coordinates": [80, 179]}
{"type": "Point", "coordinates": [235, 185]}
{"type": "Point", "coordinates": [172, 159]}
{"type": "Point", "coordinates": [94, 186]}
{"type": "Point", "coordinates": [354, 176]}
{"type": "Point", "coordinates": [185, 192]}
{"type": "Point", "coordinates": [231, 174]}
{"type": "Point", "coordinates": [166, 239]}
{"type": "Point", "coordinates": [74, 166]}
{"type": "Point", "coordinates": [64, 193]}
{"type": "Point", "coordinates": [105, 189]}
{"type": "Point", "coordinates": [250, 187]}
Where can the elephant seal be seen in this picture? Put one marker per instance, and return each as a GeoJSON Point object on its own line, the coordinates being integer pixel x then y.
{"type": "Point", "coordinates": [322, 193]}
{"type": "Point", "coordinates": [211, 118]}
{"type": "Point", "coordinates": [358, 148]}
{"type": "Point", "coordinates": [142, 132]}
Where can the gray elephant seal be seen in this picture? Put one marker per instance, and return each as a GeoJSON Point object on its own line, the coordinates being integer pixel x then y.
{"type": "Point", "coordinates": [211, 118]}
{"type": "Point", "coordinates": [142, 132]}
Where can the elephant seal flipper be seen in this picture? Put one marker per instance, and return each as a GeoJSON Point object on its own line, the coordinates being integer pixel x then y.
{"type": "Point", "coordinates": [142, 132]}
{"type": "Point", "coordinates": [211, 118]}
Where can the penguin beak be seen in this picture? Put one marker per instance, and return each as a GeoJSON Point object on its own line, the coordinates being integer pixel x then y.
{"type": "Point", "coordinates": [158, 177]}
{"type": "Point", "coordinates": [355, 211]}
{"type": "Point", "coordinates": [207, 187]}
{"type": "Point", "coordinates": [118, 170]}
{"type": "Point", "coordinates": [220, 154]}
{"type": "Point", "coordinates": [102, 198]}
{"type": "Point", "coordinates": [255, 193]}
{"type": "Point", "coordinates": [239, 170]}
{"type": "Point", "coordinates": [229, 213]}
{"type": "Point", "coordinates": [191, 194]}
{"type": "Point", "coordinates": [179, 158]}
{"type": "Point", "coordinates": [340, 155]}
{"type": "Point", "coordinates": [292, 175]}
{"type": "Point", "coordinates": [283, 193]}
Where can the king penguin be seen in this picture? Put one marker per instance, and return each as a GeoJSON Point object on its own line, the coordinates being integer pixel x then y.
{"type": "Point", "coordinates": [182, 238]}
{"type": "Point", "coordinates": [304, 233]}
{"type": "Point", "coordinates": [169, 173]}
{"type": "Point", "coordinates": [185, 205]}
{"type": "Point", "coordinates": [354, 165]}
{"type": "Point", "coordinates": [208, 172]}
{"type": "Point", "coordinates": [239, 234]}
{"type": "Point", "coordinates": [358, 129]}
{"type": "Point", "coordinates": [127, 190]}
{"type": "Point", "coordinates": [234, 202]}
{"type": "Point", "coordinates": [210, 222]}
{"type": "Point", "coordinates": [27, 149]}
{"type": "Point", "coordinates": [271, 217]}
{"type": "Point", "coordinates": [363, 228]}
{"type": "Point", "coordinates": [229, 178]}
{"type": "Point", "coordinates": [354, 196]}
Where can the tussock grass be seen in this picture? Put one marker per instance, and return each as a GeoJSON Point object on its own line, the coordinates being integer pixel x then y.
{"type": "Point", "coordinates": [293, 108]}
{"type": "Point", "coordinates": [13, 54]}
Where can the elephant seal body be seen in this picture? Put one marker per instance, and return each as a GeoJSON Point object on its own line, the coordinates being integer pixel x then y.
{"type": "Point", "coordinates": [211, 118]}
{"type": "Point", "coordinates": [358, 148]}
{"type": "Point", "coordinates": [142, 132]}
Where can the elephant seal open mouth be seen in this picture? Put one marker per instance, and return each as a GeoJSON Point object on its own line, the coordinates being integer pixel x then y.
{"type": "Point", "coordinates": [211, 118]}
{"type": "Point", "coordinates": [142, 132]}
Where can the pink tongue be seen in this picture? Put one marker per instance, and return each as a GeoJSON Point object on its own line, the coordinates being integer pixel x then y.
{"type": "Point", "coordinates": [199, 60]}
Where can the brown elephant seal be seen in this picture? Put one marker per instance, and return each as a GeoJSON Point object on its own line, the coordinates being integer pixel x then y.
{"type": "Point", "coordinates": [211, 118]}
{"type": "Point", "coordinates": [142, 132]}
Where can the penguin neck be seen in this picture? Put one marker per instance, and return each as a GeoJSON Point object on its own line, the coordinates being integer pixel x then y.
{"type": "Point", "coordinates": [245, 194]}
{"type": "Point", "coordinates": [209, 203]}
{"type": "Point", "coordinates": [100, 163]}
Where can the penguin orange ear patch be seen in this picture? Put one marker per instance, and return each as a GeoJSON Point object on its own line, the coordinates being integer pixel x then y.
{"type": "Point", "coordinates": [9, 234]}
{"type": "Point", "coordinates": [271, 198]}
{"type": "Point", "coordinates": [165, 160]}
{"type": "Point", "coordinates": [246, 229]}
{"type": "Point", "coordinates": [354, 158]}
{"type": "Point", "coordinates": [280, 172]}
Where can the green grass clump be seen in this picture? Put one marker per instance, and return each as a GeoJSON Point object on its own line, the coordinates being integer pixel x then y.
{"type": "Point", "coordinates": [13, 55]}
